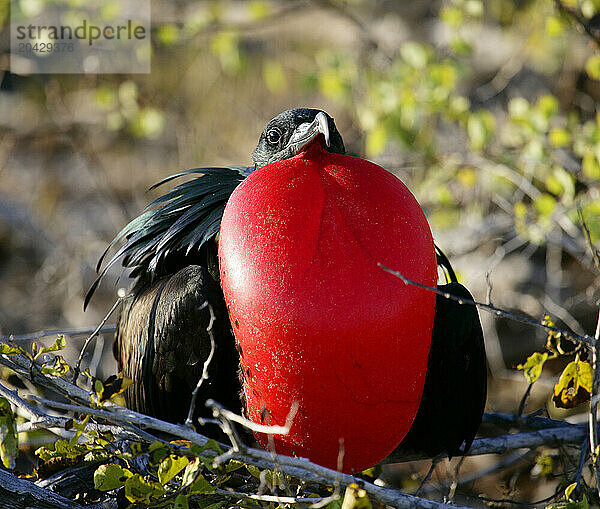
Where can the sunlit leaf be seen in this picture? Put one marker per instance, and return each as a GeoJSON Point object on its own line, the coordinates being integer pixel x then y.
{"type": "Point", "coordinates": [274, 76]}
{"type": "Point", "coordinates": [201, 486]}
{"type": "Point", "coordinates": [167, 34]}
{"type": "Point", "coordinates": [574, 385]}
{"type": "Point", "coordinates": [110, 477]}
{"type": "Point", "coordinates": [532, 368]}
{"type": "Point", "coordinates": [554, 26]}
{"type": "Point", "coordinates": [9, 443]}
{"type": "Point", "coordinates": [170, 467]}
{"type": "Point", "coordinates": [376, 141]}
{"type": "Point", "coordinates": [545, 204]}
{"type": "Point", "coordinates": [181, 502]}
{"type": "Point", "coordinates": [139, 489]}
{"type": "Point", "coordinates": [590, 166]}
{"type": "Point", "coordinates": [58, 368]}
{"type": "Point", "coordinates": [559, 137]}
{"type": "Point", "coordinates": [6, 349]}
{"type": "Point", "coordinates": [592, 67]}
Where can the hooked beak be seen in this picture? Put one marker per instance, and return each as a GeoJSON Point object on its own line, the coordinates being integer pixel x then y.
{"type": "Point", "coordinates": [306, 133]}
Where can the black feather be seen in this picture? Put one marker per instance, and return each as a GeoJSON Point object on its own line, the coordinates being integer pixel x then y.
{"type": "Point", "coordinates": [174, 225]}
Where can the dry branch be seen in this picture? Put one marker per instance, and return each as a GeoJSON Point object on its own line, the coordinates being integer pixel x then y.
{"type": "Point", "coordinates": [18, 493]}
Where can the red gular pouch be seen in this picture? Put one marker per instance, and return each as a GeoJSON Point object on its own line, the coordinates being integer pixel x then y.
{"type": "Point", "coordinates": [318, 322]}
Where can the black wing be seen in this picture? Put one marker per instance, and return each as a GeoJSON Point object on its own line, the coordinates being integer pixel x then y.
{"type": "Point", "coordinates": [174, 229]}
{"type": "Point", "coordinates": [161, 341]}
{"type": "Point", "coordinates": [162, 344]}
{"type": "Point", "coordinates": [455, 389]}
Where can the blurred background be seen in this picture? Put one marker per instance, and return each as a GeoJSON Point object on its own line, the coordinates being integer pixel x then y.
{"type": "Point", "coordinates": [486, 110]}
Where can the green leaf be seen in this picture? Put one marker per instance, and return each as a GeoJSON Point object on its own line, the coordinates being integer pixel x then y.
{"type": "Point", "coordinates": [414, 54]}
{"type": "Point", "coordinates": [376, 141]}
{"type": "Point", "coordinates": [233, 465]}
{"type": "Point", "coordinates": [140, 489]}
{"type": "Point", "coordinates": [554, 26]}
{"type": "Point", "coordinates": [181, 502]}
{"type": "Point", "coordinates": [592, 67]}
{"type": "Point", "coordinates": [58, 368]}
{"type": "Point", "coordinates": [453, 16]}
{"type": "Point", "coordinates": [6, 349]}
{"type": "Point", "coordinates": [532, 369]}
{"type": "Point", "coordinates": [9, 443]}
{"type": "Point", "coordinates": [545, 204]}
{"type": "Point", "coordinates": [574, 385]}
{"type": "Point", "coordinates": [274, 76]}
{"type": "Point", "coordinates": [259, 9]}
{"type": "Point", "coordinates": [590, 166]}
{"type": "Point", "coordinates": [110, 477]}
{"type": "Point", "coordinates": [167, 34]}
{"type": "Point", "coordinates": [62, 449]}
{"type": "Point", "coordinates": [211, 445]}
{"type": "Point", "coordinates": [201, 486]}
{"type": "Point", "coordinates": [480, 127]}
{"type": "Point", "coordinates": [547, 105]}
{"type": "Point", "coordinates": [559, 137]}
{"type": "Point", "coordinates": [561, 183]}
{"type": "Point", "coordinates": [569, 490]}
{"type": "Point", "coordinates": [59, 344]}
{"type": "Point", "coordinates": [170, 467]}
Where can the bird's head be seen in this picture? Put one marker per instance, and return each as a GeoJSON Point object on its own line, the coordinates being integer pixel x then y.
{"type": "Point", "coordinates": [290, 132]}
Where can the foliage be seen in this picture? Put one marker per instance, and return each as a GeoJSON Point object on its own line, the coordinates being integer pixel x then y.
{"type": "Point", "coordinates": [480, 144]}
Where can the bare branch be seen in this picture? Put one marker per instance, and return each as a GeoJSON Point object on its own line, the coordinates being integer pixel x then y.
{"type": "Point", "coordinates": [577, 338]}
{"type": "Point", "coordinates": [209, 329]}
{"type": "Point", "coordinates": [17, 493]}
{"type": "Point", "coordinates": [259, 428]}
{"type": "Point", "coordinates": [17, 338]}
{"type": "Point", "coordinates": [593, 413]}
{"type": "Point", "coordinates": [92, 336]}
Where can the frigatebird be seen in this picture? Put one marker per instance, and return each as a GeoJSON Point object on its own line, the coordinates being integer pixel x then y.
{"type": "Point", "coordinates": [162, 341]}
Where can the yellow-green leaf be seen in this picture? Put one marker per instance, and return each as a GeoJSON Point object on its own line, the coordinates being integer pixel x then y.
{"type": "Point", "coordinates": [110, 477]}
{"type": "Point", "coordinates": [167, 34]}
{"type": "Point", "coordinates": [6, 349]}
{"type": "Point", "coordinates": [559, 137]}
{"type": "Point", "coordinates": [201, 486]}
{"type": "Point", "coordinates": [9, 443]}
{"type": "Point", "coordinates": [545, 204]}
{"type": "Point", "coordinates": [532, 368]}
{"type": "Point", "coordinates": [170, 467]}
{"type": "Point", "coordinates": [58, 368]}
{"type": "Point", "coordinates": [139, 489]}
{"type": "Point", "coordinates": [180, 502]}
{"type": "Point", "coordinates": [554, 26]}
{"type": "Point", "coordinates": [592, 67]}
{"type": "Point", "coordinates": [590, 166]}
{"type": "Point", "coordinates": [376, 141]}
{"type": "Point", "coordinates": [574, 385]}
{"type": "Point", "coordinates": [569, 490]}
{"type": "Point", "coordinates": [274, 76]}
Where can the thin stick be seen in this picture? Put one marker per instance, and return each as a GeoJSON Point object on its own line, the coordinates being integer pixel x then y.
{"type": "Point", "coordinates": [577, 338]}
{"type": "Point", "coordinates": [17, 338]}
{"type": "Point", "coordinates": [258, 428]}
{"type": "Point", "coordinates": [94, 333]}
{"type": "Point", "coordinates": [593, 413]}
{"type": "Point", "coordinates": [209, 329]}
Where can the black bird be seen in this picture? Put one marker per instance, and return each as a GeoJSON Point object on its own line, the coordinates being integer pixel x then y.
{"type": "Point", "coordinates": [162, 341]}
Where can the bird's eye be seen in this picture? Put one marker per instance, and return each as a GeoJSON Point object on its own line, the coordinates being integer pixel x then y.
{"type": "Point", "coordinates": [273, 136]}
